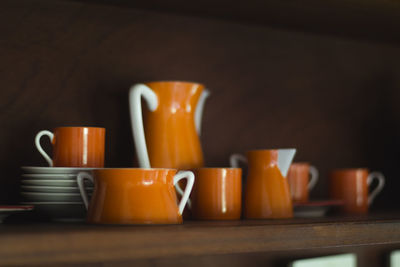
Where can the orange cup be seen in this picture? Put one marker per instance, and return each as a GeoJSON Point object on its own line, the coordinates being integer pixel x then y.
{"type": "Point", "coordinates": [217, 194]}
{"type": "Point", "coordinates": [135, 196]}
{"type": "Point", "coordinates": [302, 177]}
{"type": "Point", "coordinates": [351, 186]}
{"type": "Point", "coordinates": [74, 146]}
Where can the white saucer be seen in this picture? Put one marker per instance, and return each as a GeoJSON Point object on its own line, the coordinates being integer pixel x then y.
{"type": "Point", "coordinates": [51, 197]}
{"type": "Point", "coordinates": [5, 211]}
{"type": "Point", "coordinates": [50, 176]}
{"type": "Point", "coordinates": [52, 189]}
{"type": "Point", "coordinates": [58, 183]}
{"type": "Point", "coordinates": [54, 170]}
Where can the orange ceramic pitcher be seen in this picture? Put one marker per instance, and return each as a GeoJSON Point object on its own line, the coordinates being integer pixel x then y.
{"type": "Point", "coordinates": [169, 138]}
{"type": "Point", "coordinates": [267, 192]}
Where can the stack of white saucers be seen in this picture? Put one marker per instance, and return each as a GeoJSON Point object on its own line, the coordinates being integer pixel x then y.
{"type": "Point", "coordinates": [54, 192]}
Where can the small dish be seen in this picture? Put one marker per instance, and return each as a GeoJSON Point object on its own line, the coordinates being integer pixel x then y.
{"type": "Point", "coordinates": [6, 211]}
{"type": "Point", "coordinates": [51, 197]}
{"type": "Point", "coordinates": [52, 189]}
{"type": "Point", "coordinates": [50, 176]}
{"type": "Point", "coordinates": [314, 208]}
{"type": "Point", "coordinates": [53, 170]}
{"type": "Point", "coordinates": [59, 183]}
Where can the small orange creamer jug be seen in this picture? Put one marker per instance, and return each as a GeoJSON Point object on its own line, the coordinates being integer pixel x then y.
{"type": "Point", "coordinates": [267, 193]}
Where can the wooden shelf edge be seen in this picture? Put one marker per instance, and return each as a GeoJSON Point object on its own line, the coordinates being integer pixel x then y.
{"type": "Point", "coordinates": [51, 244]}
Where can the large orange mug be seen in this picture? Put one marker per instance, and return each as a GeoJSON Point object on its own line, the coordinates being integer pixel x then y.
{"type": "Point", "coordinates": [267, 192]}
{"type": "Point", "coordinates": [135, 196]}
{"type": "Point", "coordinates": [169, 138]}
{"type": "Point", "coordinates": [217, 194]}
{"type": "Point", "coordinates": [74, 146]}
{"type": "Point", "coordinates": [302, 178]}
{"type": "Point", "coordinates": [351, 186]}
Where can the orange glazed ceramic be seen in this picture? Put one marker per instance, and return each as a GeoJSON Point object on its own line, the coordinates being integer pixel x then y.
{"type": "Point", "coordinates": [75, 146]}
{"type": "Point", "coordinates": [267, 192]}
{"type": "Point", "coordinates": [301, 178]}
{"type": "Point", "coordinates": [135, 196]}
{"type": "Point", "coordinates": [351, 186]}
{"type": "Point", "coordinates": [170, 136]}
{"type": "Point", "coordinates": [217, 194]}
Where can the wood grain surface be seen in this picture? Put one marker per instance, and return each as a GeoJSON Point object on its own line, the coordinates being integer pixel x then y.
{"type": "Point", "coordinates": [282, 240]}
{"type": "Point", "coordinates": [72, 63]}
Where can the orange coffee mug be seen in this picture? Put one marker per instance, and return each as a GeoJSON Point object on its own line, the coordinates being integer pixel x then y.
{"type": "Point", "coordinates": [267, 192]}
{"type": "Point", "coordinates": [302, 178]}
{"type": "Point", "coordinates": [351, 186]}
{"type": "Point", "coordinates": [74, 146]}
{"type": "Point", "coordinates": [217, 194]}
{"type": "Point", "coordinates": [135, 196]}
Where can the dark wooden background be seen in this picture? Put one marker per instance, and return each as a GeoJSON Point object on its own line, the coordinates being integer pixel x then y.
{"type": "Point", "coordinates": [72, 63]}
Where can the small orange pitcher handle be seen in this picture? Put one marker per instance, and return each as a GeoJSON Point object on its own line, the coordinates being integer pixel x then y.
{"type": "Point", "coordinates": [235, 159]}
{"type": "Point", "coordinates": [136, 92]}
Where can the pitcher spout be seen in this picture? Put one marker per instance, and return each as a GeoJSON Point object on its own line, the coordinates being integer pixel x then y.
{"type": "Point", "coordinates": [285, 158]}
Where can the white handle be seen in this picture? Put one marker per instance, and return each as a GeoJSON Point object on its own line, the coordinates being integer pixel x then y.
{"type": "Point", "coordinates": [198, 114]}
{"type": "Point", "coordinates": [378, 189]}
{"type": "Point", "coordinates": [189, 186]}
{"type": "Point", "coordinates": [136, 92]}
{"type": "Point", "coordinates": [235, 159]}
{"type": "Point", "coordinates": [314, 177]}
{"type": "Point", "coordinates": [39, 147]}
{"type": "Point", "coordinates": [81, 185]}
{"type": "Point", "coordinates": [180, 193]}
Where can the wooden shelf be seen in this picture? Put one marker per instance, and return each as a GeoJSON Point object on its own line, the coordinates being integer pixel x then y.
{"type": "Point", "coordinates": [372, 20]}
{"type": "Point", "coordinates": [70, 243]}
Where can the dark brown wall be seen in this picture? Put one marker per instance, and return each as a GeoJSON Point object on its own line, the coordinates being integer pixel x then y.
{"type": "Point", "coordinates": [68, 63]}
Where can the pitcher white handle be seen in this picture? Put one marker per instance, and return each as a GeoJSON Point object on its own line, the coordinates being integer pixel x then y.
{"type": "Point", "coordinates": [136, 92]}
{"type": "Point", "coordinates": [378, 189]}
{"type": "Point", "coordinates": [235, 159]}
{"type": "Point", "coordinates": [39, 147]}
{"type": "Point", "coordinates": [80, 179]}
{"type": "Point", "coordinates": [314, 177]}
{"type": "Point", "coordinates": [198, 114]}
{"type": "Point", "coordinates": [189, 186]}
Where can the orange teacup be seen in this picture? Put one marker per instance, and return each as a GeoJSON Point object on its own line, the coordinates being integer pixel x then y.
{"type": "Point", "coordinates": [351, 186]}
{"type": "Point", "coordinates": [217, 194]}
{"type": "Point", "coordinates": [302, 177]}
{"type": "Point", "coordinates": [135, 196]}
{"type": "Point", "coordinates": [74, 146]}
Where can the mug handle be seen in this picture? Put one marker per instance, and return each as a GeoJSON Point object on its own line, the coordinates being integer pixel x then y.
{"type": "Point", "coordinates": [378, 189]}
{"type": "Point", "coordinates": [136, 92]}
{"type": "Point", "coordinates": [189, 185]}
{"type": "Point", "coordinates": [314, 177]}
{"type": "Point", "coordinates": [80, 179]}
{"type": "Point", "coordinates": [198, 114]}
{"type": "Point", "coordinates": [39, 147]}
{"type": "Point", "coordinates": [235, 159]}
